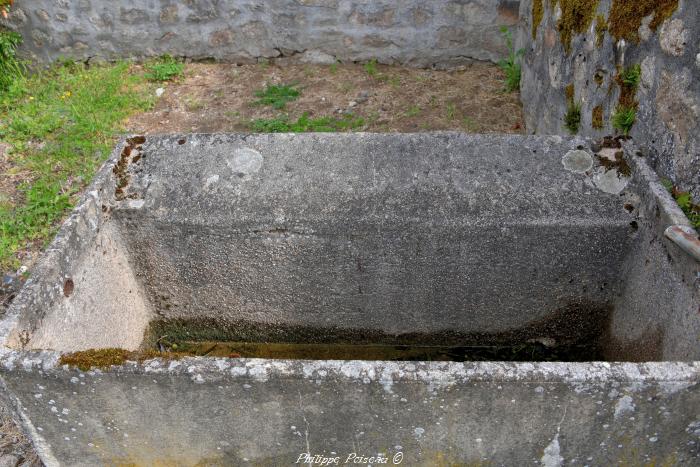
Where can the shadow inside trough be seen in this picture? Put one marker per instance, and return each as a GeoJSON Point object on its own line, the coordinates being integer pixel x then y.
{"type": "Point", "coordinates": [576, 333]}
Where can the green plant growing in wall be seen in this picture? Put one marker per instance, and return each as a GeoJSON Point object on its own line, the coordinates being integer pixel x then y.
{"type": "Point", "coordinates": [11, 68]}
{"type": "Point", "coordinates": [623, 119]}
{"type": "Point", "coordinates": [631, 75]}
{"type": "Point", "coordinates": [572, 118]}
{"type": "Point", "coordinates": [685, 201]}
{"type": "Point", "coordinates": [511, 64]}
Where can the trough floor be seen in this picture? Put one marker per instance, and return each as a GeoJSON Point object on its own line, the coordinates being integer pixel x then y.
{"type": "Point", "coordinates": [220, 98]}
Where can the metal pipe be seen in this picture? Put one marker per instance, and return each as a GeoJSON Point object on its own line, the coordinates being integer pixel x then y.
{"type": "Point", "coordinates": [686, 238]}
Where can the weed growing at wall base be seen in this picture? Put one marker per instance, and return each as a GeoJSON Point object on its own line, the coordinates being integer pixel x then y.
{"type": "Point", "coordinates": [11, 68]}
{"type": "Point", "coordinates": [511, 64]}
{"type": "Point", "coordinates": [164, 69]}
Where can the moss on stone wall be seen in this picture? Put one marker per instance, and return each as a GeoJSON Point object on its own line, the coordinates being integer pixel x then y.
{"type": "Point", "coordinates": [576, 17]}
{"type": "Point", "coordinates": [628, 80]}
{"type": "Point", "coordinates": [597, 117]}
{"type": "Point", "coordinates": [537, 14]}
{"type": "Point", "coordinates": [626, 16]}
{"type": "Point", "coordinates": [601, 27]}
{"type": "Point", "coordinates": [570, 92]}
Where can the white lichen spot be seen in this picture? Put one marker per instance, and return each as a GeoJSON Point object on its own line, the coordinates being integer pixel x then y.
{"type": "Point", "coordinates": [623, 406]}
{"type": "Point", "coordinates": [198, 378]}
{"type": "Point", "coordinates": [552, 454]}
{"type": "Point", "coordinates": [577, 161]}
{"type": "Point", "coordinates": [609, 181]}
{"type": "Point", "coordinates": [694, 428]}
{"type": "Point", "coordinates": [245, 161]}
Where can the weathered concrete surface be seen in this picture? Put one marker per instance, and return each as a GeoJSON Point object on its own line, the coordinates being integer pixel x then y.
{"type": "Point", "coordinates": [408, 32]}
{"type": "Point", "coordinates": [667, 123]}
{"type": "Point", "coordinates": [662, 282]}
{"type": "Point", "coordinates": [84, 283]}
{"type": "Point", "coordinates": [372, 234]}
{"type": "Point", "coordinates": [242, 411]}
{"type": "Point", "coordinates": [443, 238]}
{"type": "Point", "coordinates": [260, 412]}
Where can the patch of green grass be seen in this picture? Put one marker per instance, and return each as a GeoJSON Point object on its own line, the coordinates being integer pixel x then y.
{"type": "Point", "coordinates": [305, 124]}
{"type": "Point", "coordinates": [623, 119]}
{"type": "Point", "coordinates": [277, 96]}
{"type": "Point", "coordinates": [451, 109]}
{"type": "Point", "coordinates": [333, 68]}
{"type": "Point", "coordinates": [371, 68]}
{"type": "Point", "coordinates": [572, 118]}
{"type": "Point", "coordinates": [165, 68]}
{"type": "Point", "coordinates": [11, 68]}
{"type": "Point", "coordinates": [61, 124]}
{"type": "Point", "coordinates": [511, 64]}
{"type": "Point", "coordinates": [413, 111]}
{"type": "Point", "coordinates": [631, 76]}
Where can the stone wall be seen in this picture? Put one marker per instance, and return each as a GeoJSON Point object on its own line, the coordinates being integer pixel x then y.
{"type": "Point", "coordinates": [667, 125]}
{"type": "Point", "coordinates": [413, 32]}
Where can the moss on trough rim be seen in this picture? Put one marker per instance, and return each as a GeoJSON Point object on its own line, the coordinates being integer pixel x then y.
{"type": "Point", "coordinates": [106, 358]}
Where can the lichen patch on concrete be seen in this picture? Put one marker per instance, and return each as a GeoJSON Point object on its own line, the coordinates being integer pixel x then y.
{"type": "Point", "coordinates": [577, 161]}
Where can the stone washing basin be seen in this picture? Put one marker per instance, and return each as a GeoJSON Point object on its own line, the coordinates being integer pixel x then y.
{"type": "Point", "coordinates": [425, 298]}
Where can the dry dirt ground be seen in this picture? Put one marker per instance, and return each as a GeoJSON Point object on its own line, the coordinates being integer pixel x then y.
{"type": "Point", "coordinates": [220, 98]}
{"type": "Point", "coordinates": [15, 449]}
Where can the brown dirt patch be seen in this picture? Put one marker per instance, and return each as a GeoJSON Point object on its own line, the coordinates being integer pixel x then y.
{"type": "Point", "coordinates": [219, 98]}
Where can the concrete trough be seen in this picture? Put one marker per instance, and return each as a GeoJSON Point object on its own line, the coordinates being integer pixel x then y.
{"type": "Point", "coordinates": [410, 243]}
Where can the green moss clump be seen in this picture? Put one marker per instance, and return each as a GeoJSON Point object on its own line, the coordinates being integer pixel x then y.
{"type": "Point", "coordinates": [572, 118]}
{"type": "Point", "coordinates": [105, 358]}
{"type": "Point", "coordinates": [576, 17]}
{"type": "Point", "coordinates": [626, 16]}
{"type": "Point", "coordinates": [537, 14]}
{"type": "Point", "coordinates": [597, 117]}
{"type": "Point", "coordinates": [601, 27]}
